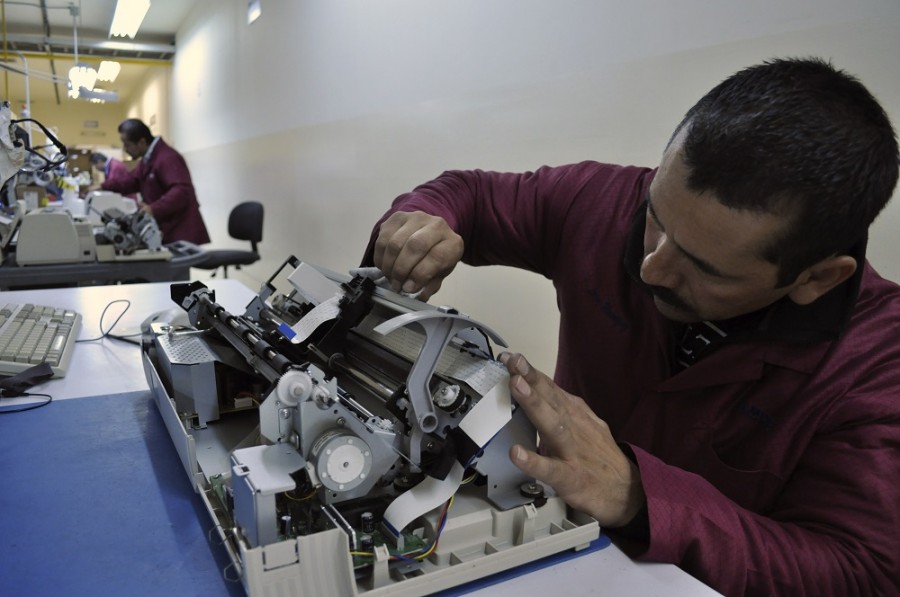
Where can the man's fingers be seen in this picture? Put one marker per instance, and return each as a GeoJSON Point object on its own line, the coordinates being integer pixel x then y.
{"type": "Point", "coordinates": [515, 363]}
{"type": "Point", "coordinates": [423, 258]}
{"type": "Point", "coordinates": [433, 253]}
{"type": "Point", "coordinates": [414, 249]}
{"type": "Point", "coordinates": [539, 410]}
{"type": "Point", "coordinates": [537, 380]}
{"type": "Point", "coordinates": [388, 245]}
{"type": "Point", "coordinates": [544, 469]}
{"type": "Point", "coordinates": [531, 388]}
{"type": "Point", "coordinates": [547, 406]}
{"type": "Point", "coordinates": [430, 289]}
{"type": "Point", "coordinates": [578, 456]}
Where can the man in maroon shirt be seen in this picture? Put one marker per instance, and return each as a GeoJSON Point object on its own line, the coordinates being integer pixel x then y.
{"type": "Point", "coordinates": [726, 392]}
{"type": "Point", "coordinates": [164, 182]}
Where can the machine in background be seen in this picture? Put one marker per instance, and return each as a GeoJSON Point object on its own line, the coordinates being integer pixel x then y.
{"type": "Point", "coordinates": [115, 232]}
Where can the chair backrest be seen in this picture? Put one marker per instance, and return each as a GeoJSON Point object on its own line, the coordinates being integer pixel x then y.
{"type": "Point", "coordinates": [246, 222]}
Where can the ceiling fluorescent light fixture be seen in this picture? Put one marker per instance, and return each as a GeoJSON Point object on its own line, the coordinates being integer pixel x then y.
{"type": "Point", "coordinates": [128, 17]}
{"type": "Point", "coordinates": [254, 10]}
{"type": "Point", "coordinates": [109, 70]}
{"type": "Point", "coordinates": [82, 76]}
{"type": "Point", "coordinates": [98, 96]}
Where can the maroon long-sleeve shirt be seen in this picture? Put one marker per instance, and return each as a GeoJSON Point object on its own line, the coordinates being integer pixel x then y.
{"type": "Point", "coordinates": [772, 465]}
{"type": "Point", "coordinates": [164, 183]}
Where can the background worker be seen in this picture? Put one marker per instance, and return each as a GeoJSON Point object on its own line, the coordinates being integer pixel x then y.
{"type": "Point", "coordinates": [164, 182]}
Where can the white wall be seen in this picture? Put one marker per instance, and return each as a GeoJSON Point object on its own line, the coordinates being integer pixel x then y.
{"type": "Point", "coordinates": [150, 102]}
{"type": "Point", "coordinates": [326, 110]}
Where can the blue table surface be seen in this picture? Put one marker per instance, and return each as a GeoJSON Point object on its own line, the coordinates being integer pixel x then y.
{"type": "Point", "coordinates": [94, 501]}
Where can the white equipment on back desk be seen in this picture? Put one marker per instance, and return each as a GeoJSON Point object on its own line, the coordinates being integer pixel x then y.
{"type": "Point", "coordinates": [51, 235]}
{"type": "Point", "coordinates": [97, 202]}
{"type": "Point", "coordinates": [9, 222]}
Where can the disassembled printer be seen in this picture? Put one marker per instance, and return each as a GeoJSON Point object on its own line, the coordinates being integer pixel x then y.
{"type": "Point", "coordinates": [348, 440]}
{"type": "Point", "coordinates": [129, 233]}
{"type": "Point", "coordinates": [52, 235]}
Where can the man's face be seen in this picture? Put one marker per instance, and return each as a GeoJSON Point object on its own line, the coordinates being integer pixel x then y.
{"type": "Point", "coordinates": [701, 259]}
{"type": "Point", "coordinates": [135, 149]}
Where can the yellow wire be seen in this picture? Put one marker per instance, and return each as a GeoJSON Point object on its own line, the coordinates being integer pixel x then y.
{"type": "Point", "coordinates": [421, 556]}
{"type": "Point", "coordinates": [306, 497]}
{"type": "Point", "coordinates": [431, 549]}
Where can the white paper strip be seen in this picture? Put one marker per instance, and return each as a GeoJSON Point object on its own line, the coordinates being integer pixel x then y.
{"type": "Point", "coordinates": [312, 284]}
{"type": "Point", "coordinates": [491, 413]}
{"type": "Point", "coordinates": [424, 497]}
{"type": "Point", "coordinates": [321, 313]}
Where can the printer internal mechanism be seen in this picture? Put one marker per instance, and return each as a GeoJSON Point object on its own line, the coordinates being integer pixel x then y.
{"type": "Point", "coordinates": [348, 440]}
{"type": "Point", "coordinates": [129, 232]}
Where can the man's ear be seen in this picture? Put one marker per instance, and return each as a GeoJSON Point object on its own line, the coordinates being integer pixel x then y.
{"type": "Point", "coordinates": [822, 277]}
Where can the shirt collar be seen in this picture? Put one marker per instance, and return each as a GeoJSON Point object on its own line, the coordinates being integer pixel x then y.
{"type": "Point", "coordinates": [824, 319]}
{"type": "Point", "coordinates": [149, 152]}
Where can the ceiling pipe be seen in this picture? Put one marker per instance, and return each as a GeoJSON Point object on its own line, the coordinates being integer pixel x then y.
{"type": "Point", "coordinates": [46, 22]}
{"type": "Point", "coordinates": [96, 47]}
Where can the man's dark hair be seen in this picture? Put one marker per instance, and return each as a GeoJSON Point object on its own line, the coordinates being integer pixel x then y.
{"type": "Point", "coordinates": [98, 158]}
{"type": "Point", "coordinates": [799, 138]}
{"type": "Point", "coordinates": [135, 130]}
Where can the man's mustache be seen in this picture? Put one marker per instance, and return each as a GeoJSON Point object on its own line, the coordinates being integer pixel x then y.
{"type": "Point", "coordinates": [667, 296]}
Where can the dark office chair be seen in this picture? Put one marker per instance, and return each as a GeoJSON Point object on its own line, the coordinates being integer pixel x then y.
{"type": "Point", "coordinates": [244, 223]}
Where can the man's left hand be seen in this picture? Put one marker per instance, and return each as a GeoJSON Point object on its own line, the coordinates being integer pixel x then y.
{"type": "Point", "coordinates": [578, 456]}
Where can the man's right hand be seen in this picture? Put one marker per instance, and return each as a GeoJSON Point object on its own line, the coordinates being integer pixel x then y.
{"type": "Point", "coordinates": [416, 251]}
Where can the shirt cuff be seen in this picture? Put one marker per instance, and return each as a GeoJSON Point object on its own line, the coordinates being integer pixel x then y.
{"type": "Point", "coordinates": [636, 532]}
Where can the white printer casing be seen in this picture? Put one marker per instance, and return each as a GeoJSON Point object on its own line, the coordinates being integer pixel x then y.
{"type": "Point", "coordinates": [51, 235]}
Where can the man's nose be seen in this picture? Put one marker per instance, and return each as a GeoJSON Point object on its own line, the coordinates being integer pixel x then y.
{"type": "Point", "coordinates": [658, 267]}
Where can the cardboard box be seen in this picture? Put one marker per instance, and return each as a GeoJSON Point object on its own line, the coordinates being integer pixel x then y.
{"type": "Point", "coordinates": [78, 160]}
{"type": "Point", "coordinates": [34, 196]}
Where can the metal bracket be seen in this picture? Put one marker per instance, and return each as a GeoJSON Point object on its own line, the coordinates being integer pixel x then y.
{"type": "Point", "coordinates": [440, 326]}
